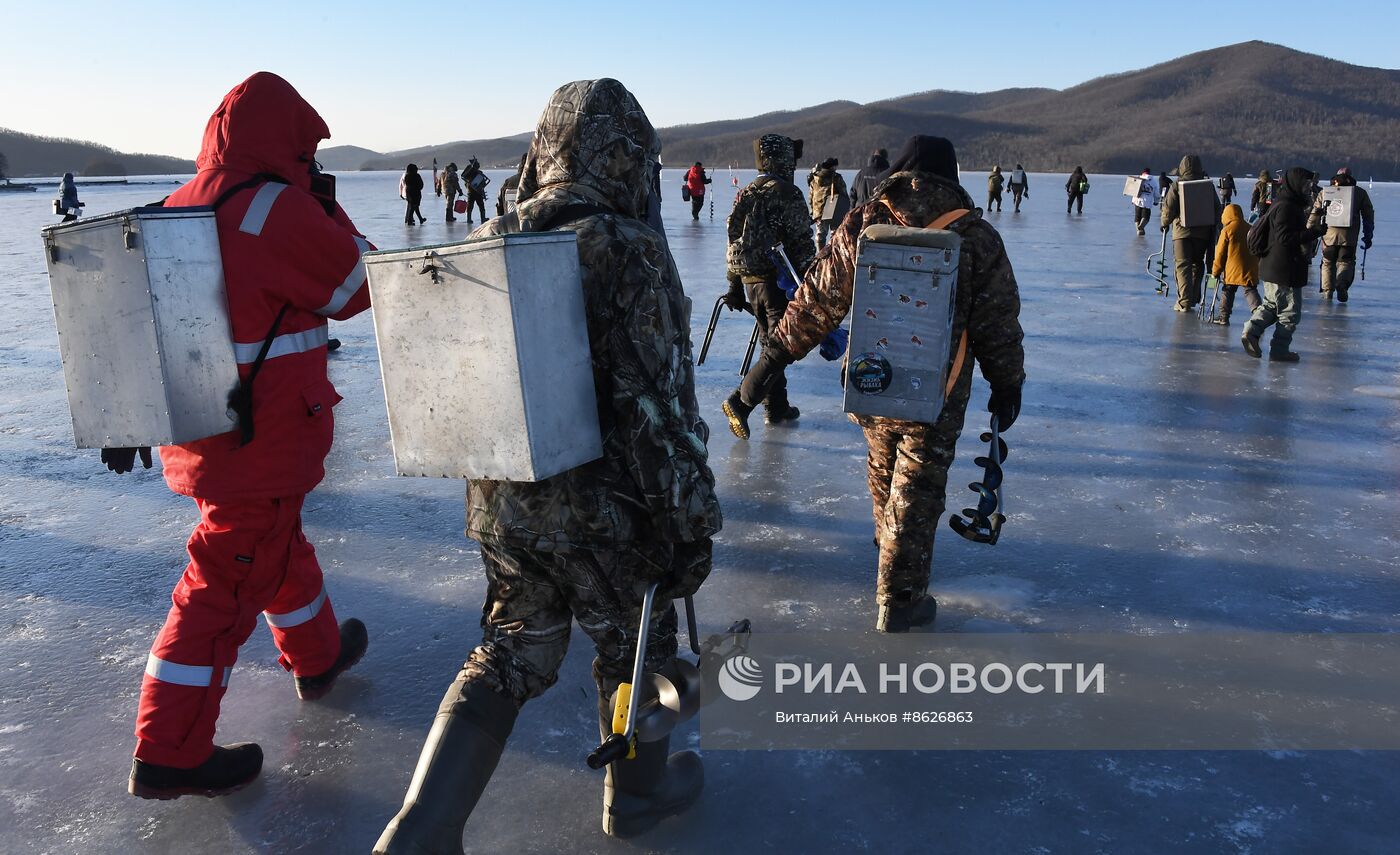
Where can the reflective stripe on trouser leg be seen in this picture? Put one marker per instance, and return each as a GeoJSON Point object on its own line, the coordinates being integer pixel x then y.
{"type": "Point", "coordinates": [239, 556]}
{"type": "Point", "coordinates": [300, 616]}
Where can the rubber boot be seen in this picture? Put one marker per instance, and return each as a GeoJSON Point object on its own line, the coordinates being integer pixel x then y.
{"type": "Point", "coordinates": [1251, 344]}
{"type": "Point", "coordinates": [458, 758]}
{"type": "Point", "coordinates": [781, 412]}
{"type": "Point", "coordinates": [354, 640]}
{"type": "Point", "coordinates": [737, 412]}
{"type": "Point", "coordinates": [1283, 356]}
{"type": "Point", "coordinates": [639, 793]}
{"type": "Point", "coordinates": [902, 617]}
{"type": "Point", "coordinates": [229, 768]}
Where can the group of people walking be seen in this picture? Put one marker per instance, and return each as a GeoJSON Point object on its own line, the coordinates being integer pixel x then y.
{"type": "Point", "coordinates": [585, 545]}
{"type": "Point", "coordinates": [1269, 255]}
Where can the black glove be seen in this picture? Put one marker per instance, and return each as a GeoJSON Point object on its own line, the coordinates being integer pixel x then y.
{"type": "Point", "coordinates": [1365, 243]}
{"type": "Point", "coordinates": [121, 460]}
{"type": "Point", "coordinates": [734, 298]}
{"type": "Point", "coordinates": [1005, 404]}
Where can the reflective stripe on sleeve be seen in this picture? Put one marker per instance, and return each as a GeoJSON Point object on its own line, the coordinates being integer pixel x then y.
{"type": "Point", "coordinates": [346, 290]}
{"type": "Point", "coordinates": [298, 616]}
{"type": "Point", "coordinates": [246, 352]}
{"type": "Point", "coordinates": [183, 675]}
{"type": "Point", "coordinates": [256, 217]}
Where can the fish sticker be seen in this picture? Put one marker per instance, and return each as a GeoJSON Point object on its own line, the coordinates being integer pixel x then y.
{"type": "Point", "coordinates": [918, 341]}
{"type": "Point", "coordinates": [903, 298]}
{"type": "Point", "coordinates": [870, 313]}
{"type": "Point", "coordinates": [883, 343]}
{"type": "Point", "coordinates": [921, 304]}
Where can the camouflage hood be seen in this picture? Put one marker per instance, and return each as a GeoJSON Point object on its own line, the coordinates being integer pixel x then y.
{"type": "Point", "coordinates": [593, 142]}
{"type": "Point", "coordinates": [777, 155]}
{"type": "Point", "coordinates": [921, 197]}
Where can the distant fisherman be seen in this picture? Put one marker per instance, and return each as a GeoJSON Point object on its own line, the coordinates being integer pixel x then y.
{"type": "Point", "coordinates": [1144, 200]}
{"type": "Point", "coordinates": [1192, 246]}
{"type": "Point", "coordinates": [1019, 185]}
{"type": "Point", "coordinates": [1339, 244]}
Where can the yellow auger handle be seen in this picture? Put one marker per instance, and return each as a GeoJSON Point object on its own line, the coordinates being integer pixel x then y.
{"type": "Point", "coordinates": [621, 704]}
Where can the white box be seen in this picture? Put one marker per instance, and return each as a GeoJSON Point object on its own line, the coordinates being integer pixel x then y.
{"type": "Point", "coordinates": [1132, 188]}
{"type": "Point", "coordinates": [143, 326]}
{"type": "Point", "coordinates": [484, 350]}
{"type": "Point", "coordinates": [901, 322]}
{"type": "Point", "coordinates": [1198, 203]}
{"type": "Point", "coordinates": [1341, 208]}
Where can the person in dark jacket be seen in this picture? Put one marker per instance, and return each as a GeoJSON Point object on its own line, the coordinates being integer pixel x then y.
{"type": "Point", "coordinates": [1194, 247]}
{"type": "Point", "coordinates": [1289, 233]}
{"type": "Point", "coordinates": [1019, 185]}
{"type": "Point", "coordinates": [411, 191]}
{"type": "Point", "coordinates": [449, 186]}
{"type": "Point", "coordinates": [1227, 189]}
{"type": "Point", "coordinates": [68, 198]}
{"type": "Point", "coordinates": [863, 185]}
{"type": "Point", "coordinates": [1076, 187]}
{"type": "Point", "coordinates": [476, 182]}
{"type": "Point", "coordinates": [995, 181]}
{"type": "Point", "coordinates": [1163, 185]}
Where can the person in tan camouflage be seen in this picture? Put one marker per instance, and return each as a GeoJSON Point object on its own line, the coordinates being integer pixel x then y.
{"type": "Point", "coordinates": [585, 544]}
{"type": "Point", "coordinates": [908, 462]}
{"type": "Point", "coordinates": [828, 190]}
{"type": "Point", "coordinates": [770, 211]}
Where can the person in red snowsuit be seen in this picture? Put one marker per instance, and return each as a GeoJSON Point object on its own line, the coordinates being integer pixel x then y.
{"type": "Point", "coordinates": [291, 260]}
{"type": "Point", "coordinates": [695, 181]}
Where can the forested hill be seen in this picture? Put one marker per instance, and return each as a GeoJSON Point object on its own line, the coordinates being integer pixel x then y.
{"type": "Point", "coordinates": [1242, 108]}
{"type": "Point", "coordinates": [28, 155]}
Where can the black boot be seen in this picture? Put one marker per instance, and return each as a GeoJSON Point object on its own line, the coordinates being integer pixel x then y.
{"type": "Point", "coordinates": [229, 768]}
{"type": "Point", "coordinates": [458, 758]}
{"type": "Point", "coordinates": [1251, 344]}
{"type": "Point", "coordinates": [354, 640]}
{"type": "Point", "coordinates": [738, 414]}
{"type": "Point", "coordinates": [639, 793]}
{"type": "Point", "coordinates": [901, 617]}
{"type": "Point", "coordinates": [782, 411]}
{"type": "Point", "coordinates": [1283, 356]}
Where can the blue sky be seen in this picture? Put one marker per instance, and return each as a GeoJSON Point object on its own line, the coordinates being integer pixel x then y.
{"type": "Point", "coordinates": [144, 76]}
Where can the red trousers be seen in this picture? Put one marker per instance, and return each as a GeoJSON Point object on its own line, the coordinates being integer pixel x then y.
{"type": "Point", "coordinates": [245, 558]}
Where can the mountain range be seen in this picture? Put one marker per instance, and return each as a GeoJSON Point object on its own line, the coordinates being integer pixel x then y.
{"type": "Point", "coordinates": [1243, 108]}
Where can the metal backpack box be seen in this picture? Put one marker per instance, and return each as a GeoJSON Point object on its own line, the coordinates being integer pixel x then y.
{"type": "Point", "coordinates": [902, 322]}
{"type": "Point", "coordinates": [1198, 201]}
{"type": "Point", "coordinates": [1340, 202]}
{"type": "Point", "coordinates": [1132, 188]}
{"type": "Point", "coordinates": [484, 350]}
{"type": "Point", "coordinates": [143, 326]}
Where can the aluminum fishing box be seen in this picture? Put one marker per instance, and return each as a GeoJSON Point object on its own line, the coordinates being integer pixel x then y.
{"type": "Point", "coordinates": [484, 351]}
{"type": "Point", "coordinates": [1198, 201]}
{"type": "Point", "coordinates": [901, 322]}
{"type": "Point", "coordinates": [1340, 202]}
{"type": "Point", "coordinates": [1132, 188]}
{"type": "Point", "coordinates": [143, 326]}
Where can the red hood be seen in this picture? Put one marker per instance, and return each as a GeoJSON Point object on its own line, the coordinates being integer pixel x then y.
{"type": "Point", "coordinates": [264, 125]}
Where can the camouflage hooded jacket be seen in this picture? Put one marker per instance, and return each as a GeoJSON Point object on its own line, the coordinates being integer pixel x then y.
{"type": "Point", "coordinates": [988, 304]}
{"type": "Point", "coordinates": [770, 211]}
{"type": "Point", "coordinates": [595, 145]}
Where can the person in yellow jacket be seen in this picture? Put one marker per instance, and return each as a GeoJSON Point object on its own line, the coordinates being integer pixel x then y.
{"type": "Point", "coordinates": [1235, 266]}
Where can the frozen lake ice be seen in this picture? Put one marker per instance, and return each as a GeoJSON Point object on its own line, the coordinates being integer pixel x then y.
{"type": "Point", "coordinates": [1159, 481]}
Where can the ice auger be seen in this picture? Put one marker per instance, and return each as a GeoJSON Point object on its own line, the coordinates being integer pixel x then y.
{"type": "Point", "coordinates": [651, 705]}
{"type": "Point", "coordinates": [983, 523]}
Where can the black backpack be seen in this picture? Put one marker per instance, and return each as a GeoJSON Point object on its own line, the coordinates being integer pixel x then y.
{"type": "Point", "coordinates": [1258, 238]}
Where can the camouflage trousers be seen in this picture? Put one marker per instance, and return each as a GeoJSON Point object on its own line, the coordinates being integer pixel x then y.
{"type": "Point", "coordinates": [907, 471]}
{"type": "Point", "coordinates": [533, 596]}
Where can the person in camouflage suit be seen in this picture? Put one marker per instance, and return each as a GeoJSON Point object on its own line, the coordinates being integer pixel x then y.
{"type": "Point", "coordinates": [908, 462]}
{"type": "Point", "coordinates": [768, 212]}
{"type": "Point", "coordinates": [585, 544]}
